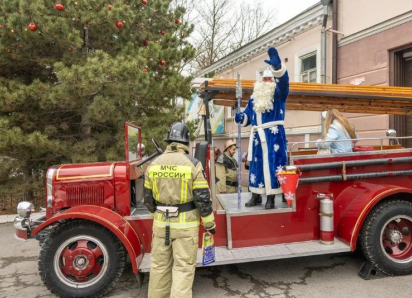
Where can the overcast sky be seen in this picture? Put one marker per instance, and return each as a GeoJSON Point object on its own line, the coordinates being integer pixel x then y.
{"type": "Point", "coordinates": [287, 9]}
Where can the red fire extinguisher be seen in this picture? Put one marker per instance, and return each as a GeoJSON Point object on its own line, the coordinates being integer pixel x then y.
{"type": "Point", "coordinates": [327, 233]}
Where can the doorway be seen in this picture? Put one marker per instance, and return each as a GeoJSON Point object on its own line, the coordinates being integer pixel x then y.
{"type": "Point", "coordinates": [401, 75]}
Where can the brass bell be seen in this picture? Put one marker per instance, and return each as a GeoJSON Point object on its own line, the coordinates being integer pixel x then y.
{"type": "Point", "coordinates": [202, 110]}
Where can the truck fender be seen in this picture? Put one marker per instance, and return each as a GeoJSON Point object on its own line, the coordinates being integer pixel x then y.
{"type": "Point", "coordinates": [111, 221]}
{"type": "Point", "coordinates": [353, 205]}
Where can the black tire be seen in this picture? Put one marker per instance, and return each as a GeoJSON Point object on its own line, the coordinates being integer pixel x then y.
{"type": "Point", "coordinates": [376, 241]}
{"type": "Point", "coordinates": [51, 260]}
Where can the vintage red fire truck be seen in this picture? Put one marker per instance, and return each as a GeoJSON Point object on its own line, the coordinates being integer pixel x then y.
{"type": "Point", "coordinates": [95, 219]}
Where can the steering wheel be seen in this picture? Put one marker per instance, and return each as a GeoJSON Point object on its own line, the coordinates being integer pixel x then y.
{"type": "Point", "coordinates": [160, 151]}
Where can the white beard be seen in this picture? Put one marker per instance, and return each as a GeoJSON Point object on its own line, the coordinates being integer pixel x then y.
{"type": "Point", "coordinates": [263, 93]}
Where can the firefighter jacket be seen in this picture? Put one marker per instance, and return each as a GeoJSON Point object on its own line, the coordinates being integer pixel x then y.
{"type": "Point", "coordinates": [226, 174]}
{"type": "Point", "coordinates": [175, 178]}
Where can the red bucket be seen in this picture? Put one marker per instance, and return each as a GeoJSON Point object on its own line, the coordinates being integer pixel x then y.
{"type": "Point", "coordinates": [289, 181]}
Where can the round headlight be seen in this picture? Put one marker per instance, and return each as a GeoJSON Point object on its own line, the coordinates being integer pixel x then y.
{"type": "Point", "coordinates": [24, 209]}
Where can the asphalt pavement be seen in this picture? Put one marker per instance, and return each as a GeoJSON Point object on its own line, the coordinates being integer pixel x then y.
{"type": "Point", "coordinates": [318, 276]}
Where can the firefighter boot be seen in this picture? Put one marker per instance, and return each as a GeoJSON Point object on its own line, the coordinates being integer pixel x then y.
{"type": "Point", "coordinates": [270, 202]}
{"type": "Point", "coordinates": [255, 200]}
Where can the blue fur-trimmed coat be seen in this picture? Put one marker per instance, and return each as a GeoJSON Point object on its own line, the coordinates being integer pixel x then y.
{"type": "Point", "coordinates": [266, 158]}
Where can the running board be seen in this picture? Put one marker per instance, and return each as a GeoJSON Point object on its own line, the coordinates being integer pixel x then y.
{"type": "Point", "coordinates": [225, 256]}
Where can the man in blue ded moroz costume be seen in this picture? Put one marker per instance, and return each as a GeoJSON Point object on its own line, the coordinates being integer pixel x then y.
{"type": "Point", "coordinates": [265, 112]}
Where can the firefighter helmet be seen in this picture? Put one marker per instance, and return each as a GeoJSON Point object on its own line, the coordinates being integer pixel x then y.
{"type": "Point", "coordinates": [178, 132]}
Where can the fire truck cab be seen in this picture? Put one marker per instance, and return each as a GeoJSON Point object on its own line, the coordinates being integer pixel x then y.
{"type": "Point", "coordinates": [95, 219]}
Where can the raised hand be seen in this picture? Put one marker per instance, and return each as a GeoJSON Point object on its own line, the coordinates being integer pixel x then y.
{"type": "Point", "coordinates": [274, 58]}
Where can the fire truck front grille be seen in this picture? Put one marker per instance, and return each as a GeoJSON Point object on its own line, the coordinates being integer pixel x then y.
{"type": "Point", "coordinates": [85, 195]}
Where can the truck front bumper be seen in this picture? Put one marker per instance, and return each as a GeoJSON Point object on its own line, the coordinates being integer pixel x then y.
{"type": "Point", "coordinates": [24, 226]}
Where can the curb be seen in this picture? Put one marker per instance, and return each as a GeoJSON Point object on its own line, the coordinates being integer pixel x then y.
{"type": "Point", "coordinates": [10, 217]}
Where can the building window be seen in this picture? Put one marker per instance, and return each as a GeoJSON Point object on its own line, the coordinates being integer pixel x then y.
{"type": "Point", "coordinates": [308, 71]}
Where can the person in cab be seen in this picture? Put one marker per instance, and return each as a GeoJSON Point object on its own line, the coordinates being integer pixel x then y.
{"type": "Point", "coordinates": [227, 169]}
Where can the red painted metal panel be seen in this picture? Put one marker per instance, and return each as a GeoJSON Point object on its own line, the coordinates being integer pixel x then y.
{"type": "Point", "coordinates": [352, 218]}
{"type": "Point", "coordinates": [351, 197]}
{"type": "Point", "coordinates": [143, 228]}
{"type": "Point", "coordinates": [107, 218]}
{"type": "Point", "coordinates": [122, 188]}
{"type": "Point", "coordinates": [68, 194]}
{"type": "Point", "coordinates": [274, 228]}
{"type": "Point", "coordinates": [85, 171]}
{"type": "Point", "coordinates": [22, 234]}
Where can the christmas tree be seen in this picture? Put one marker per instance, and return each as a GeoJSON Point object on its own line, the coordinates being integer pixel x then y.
{"type": "Point", "coordinates": [72, 72]}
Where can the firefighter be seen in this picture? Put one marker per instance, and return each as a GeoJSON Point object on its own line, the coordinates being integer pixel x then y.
{"type": "Point", "coordinates": [176, 193]}
{"type": "Point", "coordinates": [227, 169]}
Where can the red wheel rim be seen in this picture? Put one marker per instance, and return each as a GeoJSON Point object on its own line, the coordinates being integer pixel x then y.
{"type": "Point", "coordinates": [81, 261]}
{"type": "Point", "coordinates": [396, 239]}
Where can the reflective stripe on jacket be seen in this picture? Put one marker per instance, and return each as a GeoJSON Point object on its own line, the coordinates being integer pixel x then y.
{"type": "Point", "coordinates": [175, 178]}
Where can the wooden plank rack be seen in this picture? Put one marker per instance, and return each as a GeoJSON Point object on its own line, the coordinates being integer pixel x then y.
{"type": "Point", "coordinates": [321, 97]}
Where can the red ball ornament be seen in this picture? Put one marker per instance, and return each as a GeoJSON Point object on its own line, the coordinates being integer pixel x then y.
{"type": "Point", "coordinates": [127, 2]}
{"type": "Point", "coordinates": [146, 43]}
{"type": "Point", "coordinates": [9, 51]}
{"type": "Point", "coordinates": [162, 62]}
{"type": "Point", "coordinates": [119, 24]}
{"type": "Point", "coordinates": [69, 49]}
{"type": "Point", "coordinates": [32, 27]}
{"type": "Point", "coordinates": [144, 2]}
{"type": "Point", "coordinates": [144, 69]}
{"type": "Point", "coordinates": [59, 6]}
{"type": "Point", "coordinates": [110, 6]}
{"type": "Point", "coordinates": [163, 32]}
{"type": "Point", "coordinates": [177, 21]}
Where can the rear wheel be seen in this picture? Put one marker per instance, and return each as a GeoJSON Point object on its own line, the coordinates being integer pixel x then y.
{"type": "Point", "coordinates": [81, 259]}
{"type": "Point", "coordinates": [386, 237]}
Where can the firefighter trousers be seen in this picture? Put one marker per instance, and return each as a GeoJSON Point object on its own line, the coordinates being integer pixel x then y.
{"type": "Point", "coordinates": [173, 267]}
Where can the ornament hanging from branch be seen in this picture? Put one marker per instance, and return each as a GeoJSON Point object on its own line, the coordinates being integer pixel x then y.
{"type": "Point", "coordinates": [146, 43]}
{"type": "Point", "coordinates": [162, 62]}
{"type": "Point", "coordinates": [32, 27]}
{"type": "Point", "coordinates": [144, 69]}
{"type": "Point", "coordinates": [59, 6]}
{"type": "Point", "coordinates": [110, 6]}
{"type": "Point", "coordinates": [119, 24]}
{"type": "Point", "coordinates": [163, 32]}
{"type": "Point", "coordinates": [177, 21]}
{"type": "Point", "coordinates": [144, 2]}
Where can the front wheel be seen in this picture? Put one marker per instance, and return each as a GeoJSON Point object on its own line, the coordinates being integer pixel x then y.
{"type": "Point", "coordinates": [81, 259]}
{"type": "Point", "coordinates": [386, 237]}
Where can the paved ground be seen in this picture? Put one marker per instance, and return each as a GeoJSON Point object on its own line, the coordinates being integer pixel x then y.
{"type": "Point", "coordinates": [321, 276]}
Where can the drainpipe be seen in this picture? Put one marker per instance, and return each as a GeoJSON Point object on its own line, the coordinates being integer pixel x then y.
{"type": "Point", "coordinates": [335, 43]}
{"type": "Point", "coordinates": [325, 4]}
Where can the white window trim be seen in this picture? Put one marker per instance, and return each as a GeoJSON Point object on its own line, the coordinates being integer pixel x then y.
{"type": "Point", "coordinates": [298, 62]}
